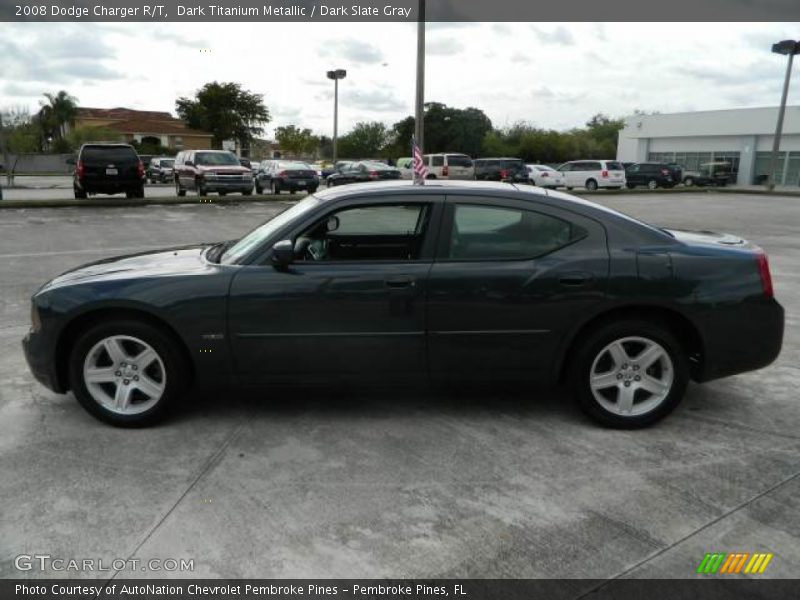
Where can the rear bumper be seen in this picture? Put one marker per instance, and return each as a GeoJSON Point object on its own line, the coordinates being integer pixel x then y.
{"type": "Point", "coordinates": [227, 186]}
{"type": "Point", "coordinates": [108, 187]}
{"type": "Point", "coordinates": [740, 338]}
{"type": "Point", "coordinates": [288, 184]}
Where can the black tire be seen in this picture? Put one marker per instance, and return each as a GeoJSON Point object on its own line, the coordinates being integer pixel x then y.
{"type": "Point", "coordinates": [652, 184]}
{"type": "Point", "coordinates": [276, 189]}
{"type": "Point", "coordinates": [259, 189]}
{"type": "Point", "coordinates": [79, 194]}
{"type": "Point", "coordinates": [292, 192]}
{"type": "Point", "coordinates": [201, 189]}
{"type": "Point", "coordinates": [248, 192]}
{"type": "Point", "coordinates": [175, 371]}
{"type": "Point", "coordinates": [591, 185]}
{"type": "Point", "coordinates": [630, 186]}
{"type": "Point", "coordinates": [688, 182]}
{"type": "Point", "coordinates": [139, 192]}
{"type": "Point", "coordinates": [178, 189]}
{"type": "Point", "coordinates": [569, 189]}
{"type": "Point", "coordinates": [312, 190]}
{"type": "Point", "coordinates": [591, 349]}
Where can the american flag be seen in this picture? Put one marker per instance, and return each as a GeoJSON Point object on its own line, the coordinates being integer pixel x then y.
{"type": "Point", "coordinates": [420, 172]}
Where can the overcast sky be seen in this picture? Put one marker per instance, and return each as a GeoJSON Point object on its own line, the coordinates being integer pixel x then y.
{"type": "Point", "coordinates": [554, 75]}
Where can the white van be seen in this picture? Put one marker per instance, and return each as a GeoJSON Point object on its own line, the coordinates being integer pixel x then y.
{"type": "Point", "coordinates": [449, 166]}
{"type": "Point", "coordinates": [593, 174]}
{"type": "Point", "coordinates": [406, 167]}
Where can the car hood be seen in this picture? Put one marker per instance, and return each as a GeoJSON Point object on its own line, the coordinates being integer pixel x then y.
{"type": "Point", "coordinates": [229, 169]}
{"type": "Point", "coordinates": [160, 263]}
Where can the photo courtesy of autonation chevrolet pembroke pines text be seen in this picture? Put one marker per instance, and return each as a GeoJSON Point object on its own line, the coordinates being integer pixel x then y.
{"type": "Point", "coordinates": [399, 299]}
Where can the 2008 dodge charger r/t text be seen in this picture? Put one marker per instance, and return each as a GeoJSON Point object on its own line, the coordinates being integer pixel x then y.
{"type": "Point", "coordinates": [466, 281]}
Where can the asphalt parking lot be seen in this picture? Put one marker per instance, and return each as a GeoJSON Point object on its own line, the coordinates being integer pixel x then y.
{"type": "Point", "coordinates": [402, 482]}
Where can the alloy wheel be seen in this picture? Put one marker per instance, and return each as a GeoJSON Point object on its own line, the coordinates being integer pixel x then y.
{"type": "Point", "coordinates": [631, 376]}
{"type": "Point", "coordinates": [124, 374]}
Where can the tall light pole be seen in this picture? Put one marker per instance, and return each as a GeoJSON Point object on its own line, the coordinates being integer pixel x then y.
{"type": "Point", "coordinates": [790, 48]}
{"type": "Point", "coordinates": [336, 76]}
{"type": "Point", "coordinates": [419, 112]}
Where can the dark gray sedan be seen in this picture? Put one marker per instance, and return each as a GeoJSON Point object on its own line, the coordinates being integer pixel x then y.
{"type": "Point", "coordinates": [475, 282]}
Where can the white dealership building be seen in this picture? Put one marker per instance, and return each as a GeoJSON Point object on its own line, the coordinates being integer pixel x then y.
{"type": "Point", "coordinates": [741, 136]}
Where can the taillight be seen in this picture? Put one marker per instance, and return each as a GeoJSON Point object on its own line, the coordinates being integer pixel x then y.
{"type": "Point", "coordinates": [763, 272]}
{"type": "Point", "coordinates": [140, 169]}
{"type": "Point", "coordinates": [544, 174]}
{"type": "Point", "coordinates": [664, 172]}
{"type": "Point", "coordinates": [445, 171]}
{"type": "Point", "coordinates": [373, 174]}
{"type": "Point", "coordinates": [604, 174]}
{"type": "Point", "coordinates": [79, 169]}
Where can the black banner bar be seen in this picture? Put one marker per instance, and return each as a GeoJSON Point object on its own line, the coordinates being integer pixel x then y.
{"type": "Point", "coordinates": [399, 10]}
{"type": "Point", "coordinates": [705, 588]}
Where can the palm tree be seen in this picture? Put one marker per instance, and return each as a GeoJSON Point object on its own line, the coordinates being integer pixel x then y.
{"type": "Point", "coordinates": [59, 112]}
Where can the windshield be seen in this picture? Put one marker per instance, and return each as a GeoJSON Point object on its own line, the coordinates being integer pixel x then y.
{"type": "Point", "coordinates": [263, 232]}
{"type": "Point", "coordinates": [216, 158]}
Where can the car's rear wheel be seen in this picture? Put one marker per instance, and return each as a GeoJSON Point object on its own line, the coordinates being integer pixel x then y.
{"type": "Point", "coordinates": [591, 185]}
{"type": "Point", "coordinates": [276, 189]}
{"type": "Point", "coordinates": [201, 188]}
{"type": "Point", "coordinates": [630, 186]}
{"type": "Point", "coordinates": [80, 194]}
{"type": "Point", "coordinates": [259, 189]}
{"type": "Point", "coordinates": [652, 184]}
{"type": "Point", "coordinates": [178, 189]}
{"type": "Point", "coordinates": [688, 182]}
{"type": "Point", "coordinates": [630, 374]}
{"type": "Point", "coordinates": [126, 372]}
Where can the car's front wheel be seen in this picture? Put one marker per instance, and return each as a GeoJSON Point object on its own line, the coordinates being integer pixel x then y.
{"type": "Point", "coordinates": [126, 372]}
{"type": "Point", "coordinates": [689, 182]}
{"type": "Point", "coordinates": [591, 185]}
{"type": "Point", "coordinates": [630, 374]}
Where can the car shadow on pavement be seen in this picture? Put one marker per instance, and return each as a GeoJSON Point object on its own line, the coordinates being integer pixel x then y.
{"type": "Point", "coordinates": [354, 400]}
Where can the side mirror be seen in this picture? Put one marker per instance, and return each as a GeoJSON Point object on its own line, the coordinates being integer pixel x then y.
{"type": "Point", "coordinates": [282, 253]}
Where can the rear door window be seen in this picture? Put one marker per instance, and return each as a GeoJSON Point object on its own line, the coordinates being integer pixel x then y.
{"type": "Point", "coordinates": [459, 160]}
{"type": "Point", "coordinates": [614, 166]}
{"type": "Point", "coordinates": [438, 161]}
{"type": "Point", "coordinates": [497, 233]}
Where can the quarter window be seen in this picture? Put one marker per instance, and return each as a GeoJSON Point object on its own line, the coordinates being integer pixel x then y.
{"type": "Point", "coordinates": [488, 232]}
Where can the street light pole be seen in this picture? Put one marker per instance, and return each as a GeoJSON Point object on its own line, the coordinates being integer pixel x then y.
{"type": "Point", "coordinates": [790, 48]}
{"type": "Point", "coordinates": [419, 112]}
{"type": "Point", "coordinates": [336, 75]}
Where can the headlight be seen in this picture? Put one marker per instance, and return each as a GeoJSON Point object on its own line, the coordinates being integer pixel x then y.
{"type": "Point", "coordinates": [36, 322]}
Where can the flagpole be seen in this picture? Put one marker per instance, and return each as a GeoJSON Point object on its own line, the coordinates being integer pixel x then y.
{"type": "Point", "coordinates": [419, 124]}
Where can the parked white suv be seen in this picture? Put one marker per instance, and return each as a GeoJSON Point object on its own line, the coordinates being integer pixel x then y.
{"type": "Point", "coordinates": [449, 166]}
{"type": "Point", "coordinates": [593, 174]}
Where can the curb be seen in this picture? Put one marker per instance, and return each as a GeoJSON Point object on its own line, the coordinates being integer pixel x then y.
{"type": "Point", "coordinates": [126, 202]}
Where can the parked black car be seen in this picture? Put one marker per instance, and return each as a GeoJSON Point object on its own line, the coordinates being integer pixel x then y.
{"type": "Point", "coordinates": [711, 173]}
{"type": "Point", "coordinates": [280, 175]}
{"type": "Point", "coordinates": [161, 169]}
{"type": "Point", "coordinates": [650, 174]}
{"type": "Point", "coordinates": [471, 282]}
{"type": "Point", "coordinates": [361, 171]}
{"type": "Point", "coordinates": [108, 169]}
{"type": "Point", "coordinates": [511, 170]}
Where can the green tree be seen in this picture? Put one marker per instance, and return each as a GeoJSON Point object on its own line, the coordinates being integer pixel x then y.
{"type": "Point", "coordinates": [447, 129]}
{"type": "Point", "coordinates": [57, 114]}
{"type": "Point", "coordinates": [365, 140]}
{"type": "Point", "coordinates": [17, 135]}
{"type": "Point", "coordinates": [226, 111]}
{"type": "Point", "coordinates": [296, 141]}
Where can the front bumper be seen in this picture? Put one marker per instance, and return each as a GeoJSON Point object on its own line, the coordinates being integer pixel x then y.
{"type": "Point", "coordinates": [216, 185]}
{"type": "Point", "coordinates": [41, 361]}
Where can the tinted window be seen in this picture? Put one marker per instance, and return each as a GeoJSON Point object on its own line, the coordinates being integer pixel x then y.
{"type": "Point", "coordinates": [614, 166]}
{"type": "Point", "coordinates": [216, 158]}
{"type": "Point", "coordinates": [167, 163]}
{"type": "Point", "coordinates": [108, 153]}
{"type": "Point", "coordinates": [565, 167]}
{"type": "Point", "coordinates": [459, 160]}
{"type": "Point", "coordinates": [387, 232]}
{"type": "Point", "coordinates": [487, 232]}
{"type": "Point", "coordinates": [438, 161]}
